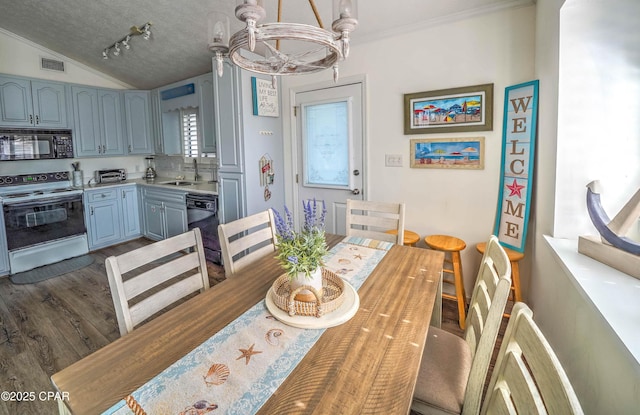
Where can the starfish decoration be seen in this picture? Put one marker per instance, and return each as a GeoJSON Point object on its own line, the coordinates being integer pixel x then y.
{"type": "Point", "coordinates": [358, 256]}
{"type": "Point", "coordinates": [247, 353]}
{"type": "Point", "coordinates": [515, 188]}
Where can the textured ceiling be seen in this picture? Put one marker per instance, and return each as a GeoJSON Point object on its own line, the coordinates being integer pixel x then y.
{"type": "Point", "coordinates": [82, 29]}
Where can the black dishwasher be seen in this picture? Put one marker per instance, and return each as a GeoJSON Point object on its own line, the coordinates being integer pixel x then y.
{"type": "Point", "coordinates": [202, 212]}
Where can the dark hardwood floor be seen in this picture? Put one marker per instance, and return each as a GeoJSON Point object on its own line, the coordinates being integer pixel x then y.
{"type": "Point", "coordinates": [47, 326]}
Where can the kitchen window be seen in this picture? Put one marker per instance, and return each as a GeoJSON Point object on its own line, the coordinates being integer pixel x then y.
{"type": "Point", "coordinates": [190, 132]}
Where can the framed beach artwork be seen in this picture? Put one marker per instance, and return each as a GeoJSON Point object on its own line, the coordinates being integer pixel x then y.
{"type": "Point", "coordinates": [448, 153]}
{"type": "Point", "coordinates": [451, 110]}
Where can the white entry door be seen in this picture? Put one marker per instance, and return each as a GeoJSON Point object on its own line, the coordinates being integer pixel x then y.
{"type": "Point", "coordinates": [330, 147]}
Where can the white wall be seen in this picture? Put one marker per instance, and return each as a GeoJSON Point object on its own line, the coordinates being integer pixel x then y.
{"type": "Point", "coordinates": [19, 56]}
{"type": "Point", "coordinates": [601, 370]}
{"type": "Point", "coordinates": [493, 48]}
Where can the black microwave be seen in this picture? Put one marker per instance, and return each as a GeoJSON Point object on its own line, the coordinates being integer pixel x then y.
{"type": "Point", "coordinates": [27, 144]}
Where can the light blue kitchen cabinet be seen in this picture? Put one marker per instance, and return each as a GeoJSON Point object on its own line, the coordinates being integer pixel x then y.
{"type": "Point", "coordinates": [32, 103]}
{"type": "Point", "coordinates": [102, 213]}
{"type": "Point", "coordinates": [129, 196]}
{"type": "Point", "coordinates": [231, 196]}
{"type": "Point", "coordinates": [112, 215]}
{"type": "Point", "coordinates": [164, 212]}
{"type": "Point", "coordinates": [4, 253]}
{"type": "Point", "coordinates": [242, 139]}
{"type": "Point", "coordinates": [137, 108]}
{"type": "Point", "coordinates": [98, 122]}
{"type": "Point", "coordinates": [228, 114]}
{"type": "Point", "coordinates": [207, 113]}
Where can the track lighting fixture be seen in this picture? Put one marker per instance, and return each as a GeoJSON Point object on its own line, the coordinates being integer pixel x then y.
{"type": "Point", "coordinates": [125, 42]}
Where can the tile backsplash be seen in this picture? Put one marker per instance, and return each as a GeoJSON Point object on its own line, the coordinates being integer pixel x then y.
{"type": "Point", "coordinates": [172, 166]}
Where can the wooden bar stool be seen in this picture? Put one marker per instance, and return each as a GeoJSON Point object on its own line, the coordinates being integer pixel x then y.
{"type": "Point", "coordinates": [452, 246]}
{"type": "Point", "coordinates": [514, 258]}
{"type": "Point", "coordinates": [410, 238]}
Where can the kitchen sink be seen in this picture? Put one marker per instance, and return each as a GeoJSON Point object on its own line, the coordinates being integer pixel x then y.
{"type": "Point", "coordinates": [179, 183]}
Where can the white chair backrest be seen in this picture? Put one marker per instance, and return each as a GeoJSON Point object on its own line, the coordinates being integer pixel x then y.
{"type": "Point", "coordinates": [246, 239]}
{"type": "Point", "coordinates": [372, 219]}
{"type": "Point", "coordinates": [488, 301]}
{"type": "Point", "coordinates": [528, 377]}
{"type": "Point", "coordinates": [151, 266]}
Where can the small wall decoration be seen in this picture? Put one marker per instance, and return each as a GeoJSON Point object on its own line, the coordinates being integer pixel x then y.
{"type": "Point", "coordinates": [518, 148]}
{"type": "Point", "coordinates": [265, 98]}
{"type": "Point", "coordinates": [449, 110]}
{"type": "Point", "coordinates": [448, 153]}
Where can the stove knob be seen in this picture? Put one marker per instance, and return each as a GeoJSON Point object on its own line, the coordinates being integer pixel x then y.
{"type": "Point", "coordinates": [8, 180]}
{"type": "Point", "coordinates": [65, 175]}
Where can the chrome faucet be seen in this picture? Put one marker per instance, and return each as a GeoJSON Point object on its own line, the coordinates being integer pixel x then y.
{"type": "Point", "coordinates": [196, 176]}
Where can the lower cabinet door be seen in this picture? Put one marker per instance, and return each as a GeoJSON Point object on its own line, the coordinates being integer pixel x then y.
{"type": "Point", "coordinates": [105, 225]}
{"type": "Point", "coordinates": [176, 219]}
{"type": "Point", "coordinates": [130, 211]}
{"type": "Point", "coordinates": [153, 220]}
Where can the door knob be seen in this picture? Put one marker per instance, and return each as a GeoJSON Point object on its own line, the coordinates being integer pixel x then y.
{"type": "Point", "coordinates": [356, 191]}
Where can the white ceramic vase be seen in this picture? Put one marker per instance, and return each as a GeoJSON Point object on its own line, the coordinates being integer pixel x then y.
{"type": "Point", "coordinates": [313, 280]}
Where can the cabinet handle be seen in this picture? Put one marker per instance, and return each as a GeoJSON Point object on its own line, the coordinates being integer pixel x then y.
{"type": "Point", "coordinates": [124, 195]}
{"type": "Point", "coordinates": [91, 211]}
{"type": "Point", "coordinates": [37, 119]}
{"type": "Point", "coordinates": [30, 118]}
{"type": "Point", "coordinates": [129, 148]}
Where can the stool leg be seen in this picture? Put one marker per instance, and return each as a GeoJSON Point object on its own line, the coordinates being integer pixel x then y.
{"type": "Point", "coordinates": [515, 280]}
{"type": "Point", "coordinates": [459, 283]}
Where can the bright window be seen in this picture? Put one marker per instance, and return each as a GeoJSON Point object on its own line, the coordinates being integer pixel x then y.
{"type": "Point", "coordinates": [190, 132]}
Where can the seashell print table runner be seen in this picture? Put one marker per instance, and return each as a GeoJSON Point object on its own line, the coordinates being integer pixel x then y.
{"type": "Point", "coordinates": [237, 369]}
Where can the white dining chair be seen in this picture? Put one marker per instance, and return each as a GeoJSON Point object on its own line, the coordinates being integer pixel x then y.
{"type": "Point", "coordinates": [454, 369]}
{"type": "Point", "coordinates": [369, 219]}
{"type": "Point", "coordinates": [528, 377]}
{"type": "Point", "coordinates": [246, 239]}
{"type": "Point", "coordinates": [157, 275]}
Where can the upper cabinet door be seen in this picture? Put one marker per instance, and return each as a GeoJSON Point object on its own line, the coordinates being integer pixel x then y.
{"type": "Point", "coordinates": [49, 104]}
{"type": "Point", "coordinates": [207, 114]}
{"type": "Point", "coordinates": [227, 110]}
{"type": "Point", "coordinates": [138, 122]}
{"type": "Point", "coordinates": [86, 134]}
{"type": "Point", "coordinates": [26, 103]}
{"type": "Point", "coordinates": [111, 128]}
{"type": "Point", "coordinates": [15, 102]}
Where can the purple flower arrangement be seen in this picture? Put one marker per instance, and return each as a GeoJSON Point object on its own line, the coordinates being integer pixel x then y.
{"type": "Point", "coordinates": [301, 251]}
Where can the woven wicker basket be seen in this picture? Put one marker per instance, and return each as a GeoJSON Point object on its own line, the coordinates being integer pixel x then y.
{"type": "Point", "coordinates": [329, 300]}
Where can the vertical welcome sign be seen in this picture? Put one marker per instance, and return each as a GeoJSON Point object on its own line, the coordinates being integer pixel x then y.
{"type": "Point", "coordinates": [518, 148]}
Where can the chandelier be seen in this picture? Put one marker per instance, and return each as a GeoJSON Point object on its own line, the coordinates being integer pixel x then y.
{"type": "Point", "coordinates": [323, 48]}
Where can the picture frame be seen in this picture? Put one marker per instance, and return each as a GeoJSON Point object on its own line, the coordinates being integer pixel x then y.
{"type": "Point", "coordinates": [448, 153]}
{"type": "Point", "coordinates": [265, 98]}
{"type": "Point", "coordinates": [452, 110]}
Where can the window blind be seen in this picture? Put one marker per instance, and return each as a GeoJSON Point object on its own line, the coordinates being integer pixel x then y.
{"type": "Point", "coordinates": [190, 132]}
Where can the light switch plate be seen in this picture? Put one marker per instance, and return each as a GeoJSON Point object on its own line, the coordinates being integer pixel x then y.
{"type": "Point", "coordinates": [393, 160]}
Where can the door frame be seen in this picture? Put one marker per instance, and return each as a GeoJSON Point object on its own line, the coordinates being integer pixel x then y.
{"type": "Point", "coordinates": [291, 162]}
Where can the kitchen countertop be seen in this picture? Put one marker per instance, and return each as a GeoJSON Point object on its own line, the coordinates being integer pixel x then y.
{"type": "Point", "coordinates": [200, 187]}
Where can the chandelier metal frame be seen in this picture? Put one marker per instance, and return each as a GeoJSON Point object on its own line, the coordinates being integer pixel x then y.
{"type": "Point", "coordinates": [331, 46]}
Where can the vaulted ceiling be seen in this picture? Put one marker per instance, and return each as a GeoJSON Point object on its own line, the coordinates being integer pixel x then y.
{"type": "Point", "coordinates": [177, 49]}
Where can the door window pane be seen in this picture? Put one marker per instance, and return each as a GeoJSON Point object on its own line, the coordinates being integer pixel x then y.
{"type": "Point", "coordinates": [327, 156]}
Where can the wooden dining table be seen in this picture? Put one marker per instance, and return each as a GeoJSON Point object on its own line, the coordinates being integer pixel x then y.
{"type": "Point", "coordinates": [367, 365]}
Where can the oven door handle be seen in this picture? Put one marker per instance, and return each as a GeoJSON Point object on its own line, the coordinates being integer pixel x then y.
{"type": "Point", "coordinates": [44, 201]}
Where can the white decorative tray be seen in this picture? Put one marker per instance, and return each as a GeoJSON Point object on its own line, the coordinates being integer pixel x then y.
{"type": "Point", "coordinates": [339, 316]}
